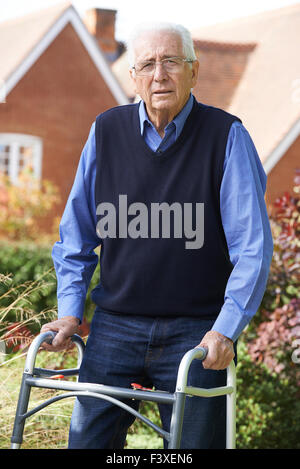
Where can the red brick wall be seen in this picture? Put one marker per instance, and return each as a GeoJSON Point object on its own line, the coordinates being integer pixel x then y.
{"type": "Point", "coordinates": [58, 100]}
{"type": "Point", "coordinates": [221, 68]}
{"type": "Point", "coordinates": [281, 177]}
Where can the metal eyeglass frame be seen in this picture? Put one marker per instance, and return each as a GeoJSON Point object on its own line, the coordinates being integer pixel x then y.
{"type": "Point", "coordinates": [41, 378]}
{"type": "Point", "coordinates": [161, 62]}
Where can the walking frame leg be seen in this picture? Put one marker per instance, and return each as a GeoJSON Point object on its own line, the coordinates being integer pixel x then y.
{"type": "Point", "coordinates": [177, 420]}
{"type": "Point", "coordinates": [231, 408]}
{"type": "Point", "coordinates": [17, 435]}
{"type": "Point", "coordinates": [182, 390]}
{"type": "Point", "coordinates": [22, 406]}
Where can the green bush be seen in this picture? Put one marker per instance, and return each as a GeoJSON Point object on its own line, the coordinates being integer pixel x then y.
{"type": "Point", "coordinates": [26, 263]}
{"type": "Point", "coordinates": [268, 406]}
{"type": "Point", "coordinates": [268, 378]}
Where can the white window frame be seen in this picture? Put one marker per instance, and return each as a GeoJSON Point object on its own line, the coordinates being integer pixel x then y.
{"type": "Point", "coordinates": [15, 142]}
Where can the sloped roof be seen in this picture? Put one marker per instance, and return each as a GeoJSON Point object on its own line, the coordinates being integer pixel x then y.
{"type": "Point", "coordinates": [121, 69]}
{"type": "Point", "coordinates": [18, 36]}
{"type": "Point", "coordinates": [24, 39]}
{"type": "Point", "coordinates": [222, 66]}
{"type": "Point", "coordinates": [267, 96]}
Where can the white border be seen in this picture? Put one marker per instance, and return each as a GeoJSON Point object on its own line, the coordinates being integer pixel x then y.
{"type": "Point", "coordinates": [276, 155]}
{"type": "Point", "coordinates": [69, 16]}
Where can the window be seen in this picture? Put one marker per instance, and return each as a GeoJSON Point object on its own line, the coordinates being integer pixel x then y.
{"type": "Point", "coordinates": [19, 151]}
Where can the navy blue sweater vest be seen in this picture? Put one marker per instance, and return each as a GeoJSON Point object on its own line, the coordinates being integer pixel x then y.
{"type": "Point", "coordinates": [163, 248]}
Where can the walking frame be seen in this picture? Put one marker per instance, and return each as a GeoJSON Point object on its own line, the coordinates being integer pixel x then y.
{"type": "Point", "coordinates": [41, 378]}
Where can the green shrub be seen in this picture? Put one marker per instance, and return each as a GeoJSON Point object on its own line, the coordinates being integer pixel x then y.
{"type": "Point", "coordinates": [268, 406]}
{"type": "Point", "coordinates": [268, 378]}
{"type": "Point", "coordinates": [26, 263]}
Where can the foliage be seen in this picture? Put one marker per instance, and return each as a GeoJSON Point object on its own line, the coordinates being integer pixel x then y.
{"type": "Point", "coordinates": [18, 321]}
{"type": "Point", "coordinates": [268, 406]}
{"type": "Point", "coordinates": [25, 263]}
{"type": "Point", "coordinates": [283, 284]}
{"type": "Point", "coordinates": [24, 204]}
{"type": "Point", "coordinates": [142, 436]}
{"type": "Point", "coordinates": [277, 325]}
{"type": "Point", "coordinates": [268, 376]}
{"type": "Point", "coordinates": [275, 340]}
{"type": "Point", "coordinates": [47, 429]}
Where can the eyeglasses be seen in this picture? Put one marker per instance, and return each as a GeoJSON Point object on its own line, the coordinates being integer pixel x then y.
{"type": "Point", "coordinates": [170, 65]}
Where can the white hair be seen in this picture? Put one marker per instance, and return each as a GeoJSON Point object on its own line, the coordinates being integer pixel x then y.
{"type": "Point", "coordinates": [185, 35]}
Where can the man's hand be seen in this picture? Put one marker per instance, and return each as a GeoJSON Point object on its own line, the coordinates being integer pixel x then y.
{"type": "Point", "coordinates": [220, 350]}
{"type": "Point", "coordinates": [65, 328]}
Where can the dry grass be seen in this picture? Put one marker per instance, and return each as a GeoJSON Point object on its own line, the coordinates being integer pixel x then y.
{"type": "Point", "coordinates": [49, 428]}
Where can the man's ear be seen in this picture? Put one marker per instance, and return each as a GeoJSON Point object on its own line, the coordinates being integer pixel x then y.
{"type": "Point", "coordinates": [133, 79]}
{"type": "Point", "coordinates": [195, 71]}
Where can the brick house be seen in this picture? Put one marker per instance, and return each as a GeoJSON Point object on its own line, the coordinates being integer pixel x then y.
{"type": "Point", "coordinates": [251, 67]}
{"type": "Point", "coordinates": [255, 62]}
{"type": "Point", "coordinates": [54, 80]}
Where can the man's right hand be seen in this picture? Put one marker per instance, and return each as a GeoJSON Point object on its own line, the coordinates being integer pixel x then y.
{"type": "Point", "coordinates": [65, 328]}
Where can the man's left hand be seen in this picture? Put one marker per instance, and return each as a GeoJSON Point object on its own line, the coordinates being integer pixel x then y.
{"type": "Point", "coordinates": [220, 350]}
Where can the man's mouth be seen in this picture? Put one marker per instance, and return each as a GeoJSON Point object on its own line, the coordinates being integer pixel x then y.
{"type": "Point", "coordinates": [161, 92]}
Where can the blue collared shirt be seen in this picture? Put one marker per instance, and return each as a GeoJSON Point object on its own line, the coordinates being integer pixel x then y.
{"type": "Point", "coordinates": [244, 217]}
{"type": "Point", "coordinates": [172, 130]}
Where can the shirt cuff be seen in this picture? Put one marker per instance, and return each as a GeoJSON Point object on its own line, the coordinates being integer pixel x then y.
{"type": "Point", "coordinates": [71, 305]}
{"type": "Point", "coordinates": [230, 323]}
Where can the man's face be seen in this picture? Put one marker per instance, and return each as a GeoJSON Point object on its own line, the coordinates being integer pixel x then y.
{"type": "Point", "coordinates": [163, 91]}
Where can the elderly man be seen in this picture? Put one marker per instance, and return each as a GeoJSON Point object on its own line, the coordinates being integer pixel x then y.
{"type": "Point", "coordinates": [173, 191]}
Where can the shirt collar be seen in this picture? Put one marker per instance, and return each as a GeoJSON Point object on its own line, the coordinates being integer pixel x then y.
{"type": "Point", "coordinates": [178, 121]}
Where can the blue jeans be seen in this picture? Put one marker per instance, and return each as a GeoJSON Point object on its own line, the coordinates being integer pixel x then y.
{"type": "Point", "coordinates": [121, 350]}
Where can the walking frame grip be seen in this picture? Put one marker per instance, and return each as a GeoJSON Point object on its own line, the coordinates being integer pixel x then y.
{"type": "Point", "coordinates": [41, 378]}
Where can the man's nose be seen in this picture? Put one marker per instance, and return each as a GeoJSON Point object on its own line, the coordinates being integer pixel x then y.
{"type": "Point", "coordinates": [160, 72]}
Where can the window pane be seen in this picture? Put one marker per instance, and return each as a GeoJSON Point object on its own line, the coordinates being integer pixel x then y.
{"type": "Point", "coordinates": [25, 158]}
{"type": "Point", "coordinates": [4, 158]}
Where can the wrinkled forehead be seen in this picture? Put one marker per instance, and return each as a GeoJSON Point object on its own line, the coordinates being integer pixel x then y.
{"type": "Point", "coordinates": [157, 45]}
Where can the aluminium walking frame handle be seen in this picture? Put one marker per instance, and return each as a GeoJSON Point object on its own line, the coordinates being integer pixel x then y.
{"type": "Point", "coordinates": [41, 378]}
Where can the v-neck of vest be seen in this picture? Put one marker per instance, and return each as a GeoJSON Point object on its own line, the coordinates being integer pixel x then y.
{"type": "Point", "coordinates": [165, 154]}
